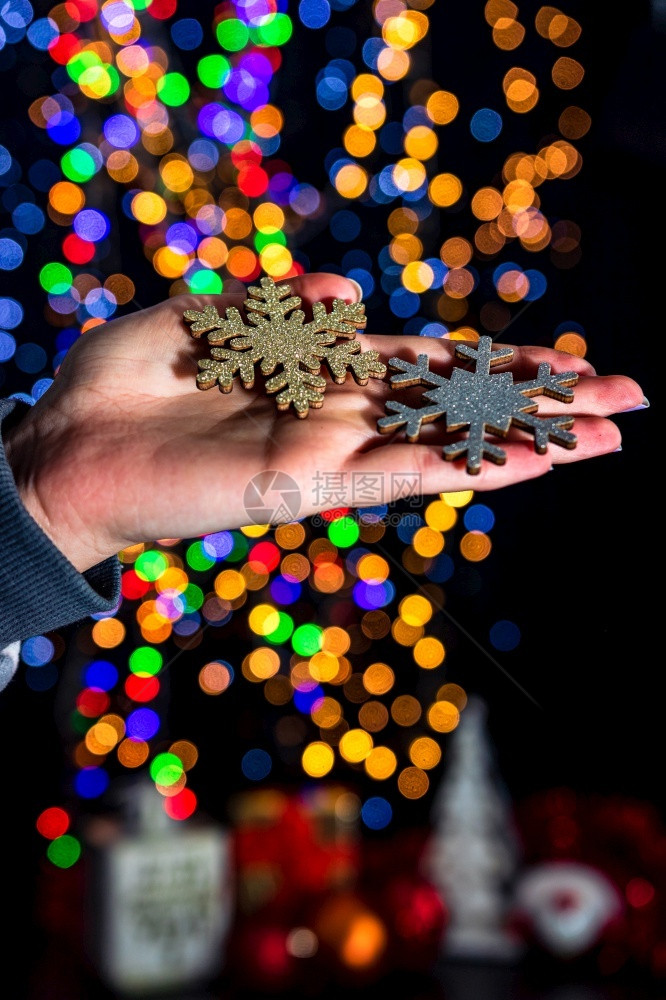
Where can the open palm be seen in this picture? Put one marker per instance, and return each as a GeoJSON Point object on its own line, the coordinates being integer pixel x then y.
{"type": "Point", "coordinates": [124, 448]}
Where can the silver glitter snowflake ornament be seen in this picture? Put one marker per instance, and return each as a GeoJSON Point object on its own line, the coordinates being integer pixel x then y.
{"type": "Point", "coordinates": [480, 403]}
{"type": "Point", "coordinates": [277, 334]}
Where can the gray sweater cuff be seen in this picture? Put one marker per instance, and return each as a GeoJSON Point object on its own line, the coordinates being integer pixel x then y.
{"type": "Point", "coordinates": [40, 590]}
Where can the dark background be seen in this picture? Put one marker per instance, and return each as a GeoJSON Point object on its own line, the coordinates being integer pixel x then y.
{"type": "Point", "coordinates": [575, 559]}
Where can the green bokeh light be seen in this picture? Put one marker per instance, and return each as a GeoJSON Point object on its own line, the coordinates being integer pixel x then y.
{"type": "Point", "coordinates": [64, 851]}
{"type": "Point", "coordinates": [78, 165]}
{"type": "Point", "coordinates": [283, 631]}
{"type": "Point", "coordinates": [193, 598]}
{"type": "Point", "coordinates": [232, 34]}
{"type": "Point", "coordinates": [55, 278]}
{"type": "Point", "coordinates": [263, 240]}
{"type": "Point", "coordinates": [307, 639]}
{"type": "Point", "coordinates": [206, 281]}
{"type": "Point", "coordinates": [173, 89]}
{"type": "Point", "coordinates": [145, 660]}
{"type": "Point", "coordinates": [150, 565]}
{"type": "Point", "coordinates": [166, 769]}
{"type": "Point", "coordinates": [214, 71]}
{"type": "Point", "coordinates": [276, 31]}
{"type": "Point", "coordinates": [82, 61]}
{"type": "Point", "coordinates": [197, 558]}
{"type": "Point", "coordinates": [343, 532]}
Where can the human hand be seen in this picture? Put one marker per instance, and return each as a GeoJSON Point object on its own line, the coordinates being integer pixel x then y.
{"type": "Point", "coordinates": [124, 448]}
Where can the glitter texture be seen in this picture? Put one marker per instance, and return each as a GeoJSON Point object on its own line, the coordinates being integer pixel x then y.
{"type": "Point", "coordinates": [276, 338]}
{"type": "Point", "coordinates": [480, 403]}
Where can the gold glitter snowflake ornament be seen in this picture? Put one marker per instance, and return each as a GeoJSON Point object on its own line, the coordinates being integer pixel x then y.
{"type": "Point", "coordinates": [279, 336]}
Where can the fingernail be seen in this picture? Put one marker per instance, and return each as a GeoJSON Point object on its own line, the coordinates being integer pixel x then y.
{"type": "Point", "coordinates": [615, 450]}
{"type": "Point", "coordinates": [359, 290]}
{"type": "Point", "coordinates": [645, 405]}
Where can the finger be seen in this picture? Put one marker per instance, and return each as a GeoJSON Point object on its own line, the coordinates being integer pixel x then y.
{"type": "Point", "coordinates": [317, 287]}
{"type": "Point", "coordinates": [523, 364]}
{"type": "Point", "coordinates": [602, 395]}
{"type": "Point", "coordinates": [421, 468]}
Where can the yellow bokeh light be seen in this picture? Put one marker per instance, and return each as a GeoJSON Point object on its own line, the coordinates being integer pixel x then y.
{"type": "Point", "coordinates": [263, 663]}
{"type": "Point", "coordinates": [266, 121]}
{"type": "Point", "coordinates": [408, 174]}
{"type": "Point", "coordinates": [317, 759]}
{"type": "Point", "coordinates": [453, 693]}
{"type": "Point", "coordinates": [276, 260]}
{"type": "Point", "coordinates": [487, 203]}
{"type": "Point", "coordinates": [429, 652]}
{"type": "Point", "coordinates": [421, 142]}
{"type": "Point", "coordinates": [442, 107]}
{"type": "Point", "coordinates": [402, 220]}
{"type": "Point", "coordinates": [359, 140]}
{"type": "Point", "coordinates": [380, 763]}
{"type": "Point", "coordinates": [372, 568]}
{"type": "Point", "coordinates": [417, 276]}
{"type": "Point", "coordinates": [445, 190]}
{"type": "Point", "coordinates": [148, 207]}
{"type": "Point", "coordinates": [335, 640]}
{"type": "Point", "coordinates": [171, 262]}
{"type": "Point", "coordinates": [425, 753]}
{"type": "Point", "coordinates": [571, 343]}
{"type": "Point", "coordinates": [176, 173]}
{"type": "Point", "coordinates": [405, 248]}
{"type": "Point", "coordinates": [443, 716]}
{"type": "Point", "coordinates": [326, 713]}
{"type": "Point", "coordinates": [355, 745]}
{"type": "Point", "coordinates": [415, 609]}
{"type": "Point", "coordinates": [122, 166]}
{"type": "Point", "coordinates": [366, 83]}
{"type": "Point", "coordinates": [440, 516]}
{"type": "Point", "coordinates": [108, 633]}
{"type": "Point", "coordinates": [404, 634]}
{"type": "Point", "coordinates": [393, 64]}
{"type": "Point", "coordinates": [268, 218]}
{"type": "Point", "coordinates": [67, 198]}
{"type": "Point", "coordinates": [428, 542]}
{"type": "Point", "coordinates": [351, 180]}
{"type": "Point", "coordinates": [324, 666]}
{"type": "Point", "coordinates": [378, 678]}
{"type": "Point", "coordinates": [229, 584]}
{"type": "Point", "coordinates": [405, 29]}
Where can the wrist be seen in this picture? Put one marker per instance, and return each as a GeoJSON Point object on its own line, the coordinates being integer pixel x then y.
{"type": "Point", "coordinates": [46, 487]}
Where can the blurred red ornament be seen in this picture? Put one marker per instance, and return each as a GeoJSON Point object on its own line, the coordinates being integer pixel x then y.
{"type": "Point", "coordinates": [416, 917]}
{"type": "Point", "coordinates": [259, 959]}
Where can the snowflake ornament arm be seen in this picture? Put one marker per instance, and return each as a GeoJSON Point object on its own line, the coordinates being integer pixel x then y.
{"type": "Point", "coordinates": [480, 403]}
{"type": "Point", "coordinates": [278, 336]}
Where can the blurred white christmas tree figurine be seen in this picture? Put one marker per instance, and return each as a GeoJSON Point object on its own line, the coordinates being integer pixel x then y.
{"type": "Point", "coordinates": [473, 850]}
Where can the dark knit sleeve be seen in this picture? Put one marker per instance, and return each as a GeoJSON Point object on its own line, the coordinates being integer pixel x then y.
{"type": "Point", "coordinates": [40, 590]}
